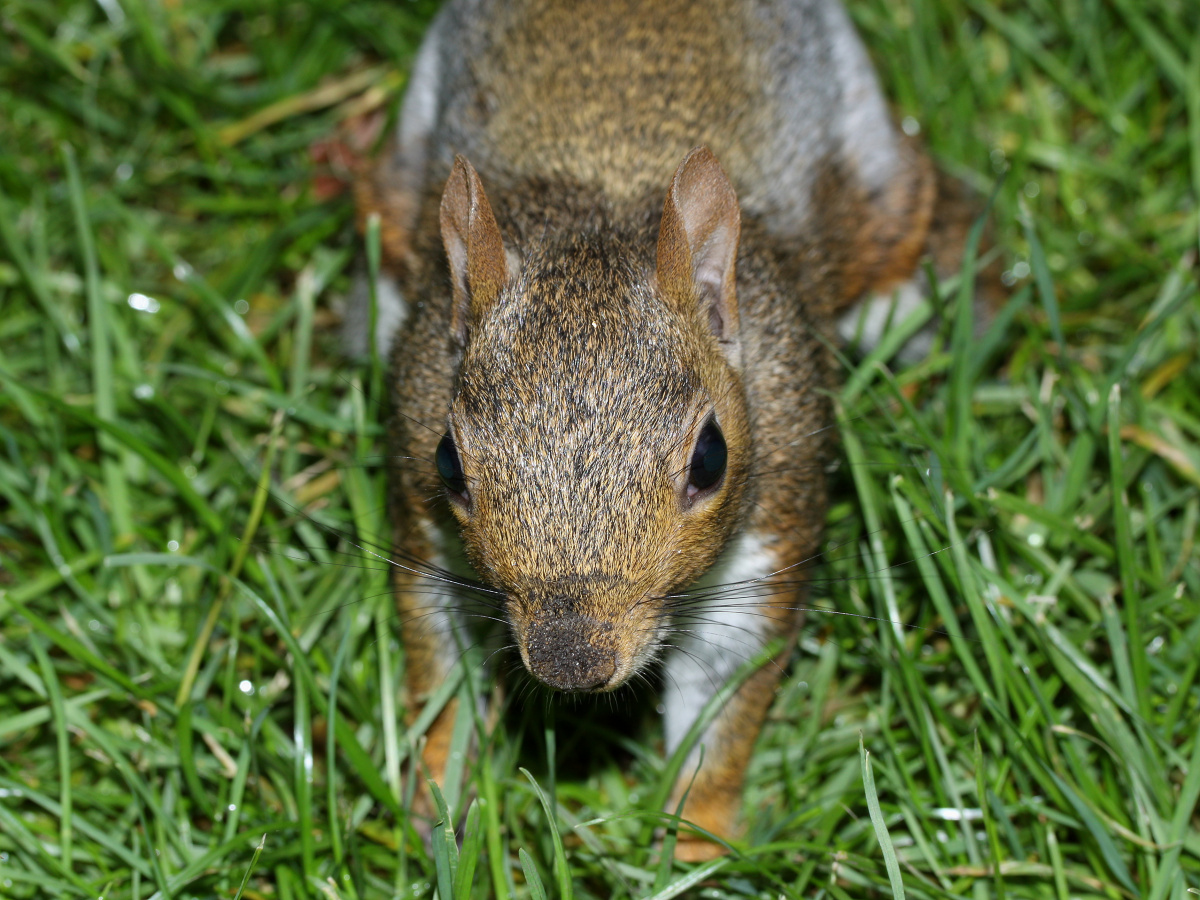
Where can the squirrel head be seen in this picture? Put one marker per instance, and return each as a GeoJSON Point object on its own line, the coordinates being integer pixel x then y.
{"type": "Point", "coordinates": [597, 446]}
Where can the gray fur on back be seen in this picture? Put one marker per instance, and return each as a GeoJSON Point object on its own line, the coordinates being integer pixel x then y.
{"type": "Point", "coordinates": [627, 138]}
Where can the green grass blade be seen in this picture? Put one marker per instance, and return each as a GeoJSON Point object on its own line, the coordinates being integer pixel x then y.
{"type": "Point", "coordinates": [256, 510]}
{"type": "Point", "coordinates": [1045, 285]}
{"type": "Point", "coordinates": [360, 762]}
{"type": "Point", "coordinates": [101, 350]}
{"type": "Point", "coordinates": [490, 803]}
{"type": "Point", "coordinates": [331, 780]}
{"type": "Point", "coordinates": [690, 879]}
{"type": "Point", "coordinates": [537, 890]}
{"type": "Point", "coordinates": [250, 868]}
{"type": "Point", "coordinates": [303, 766]}
{"type": "Point", "coordinates": [662, 876]}
{"type": "Point", "coordinates": [372, 239]}
{"type": "Point", "coordinates": [468, 857]}
{"type": "Point", "coordinates": [880, 826]}
{"type": "Point", "coordinates": [445, 846]}
{"type": "Point", "coordinates": [20, 835]}
{"type": "Point", "coordinates": [1170, 872]}
{"type": "Point", "coordinates": [58, 709]}
{"type": "Point", "coordinates": [1137, 687]}
{"type": "Point", "coordinates": [982, 794]}
{"type": "Point", "coordinates": [561, 870]}
{"type": "Point", "coordinates": [1193, 111]}
{"type": "Point", "coordinates": [34, 278]}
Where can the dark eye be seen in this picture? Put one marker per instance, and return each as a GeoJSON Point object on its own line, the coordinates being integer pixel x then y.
{"type": "Point", "coordinates": [708, 459]}
{"type": "Point", "coordinates": [449, 466]}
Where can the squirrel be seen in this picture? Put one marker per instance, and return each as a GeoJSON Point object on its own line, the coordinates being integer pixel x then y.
{"type": "Point", "coordinates": [616, 231]}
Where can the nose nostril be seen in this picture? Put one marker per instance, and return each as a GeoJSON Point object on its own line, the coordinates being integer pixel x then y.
{"type": "Point", "coordinates": [563, 654]}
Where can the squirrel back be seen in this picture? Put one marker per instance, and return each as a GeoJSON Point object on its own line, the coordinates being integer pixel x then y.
{"type": "Point", "coordinates": [612, 95]}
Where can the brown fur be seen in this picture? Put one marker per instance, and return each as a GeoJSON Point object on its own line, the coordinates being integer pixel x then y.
{"type": "Point", "coordinates": [589, 328]}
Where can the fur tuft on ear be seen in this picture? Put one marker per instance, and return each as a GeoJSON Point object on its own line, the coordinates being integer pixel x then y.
{"type": "Point", "coordinates": [698, 244]}
{"type": "Point", "coordinates": [478, 266]}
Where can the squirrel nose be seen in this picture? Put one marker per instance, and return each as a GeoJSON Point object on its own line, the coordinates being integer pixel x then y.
{"type": "Point", "coordinates": [563, 653]}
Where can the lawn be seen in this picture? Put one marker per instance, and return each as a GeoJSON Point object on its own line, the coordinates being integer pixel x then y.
{"type": "Point", "coordinates": [997, 693]}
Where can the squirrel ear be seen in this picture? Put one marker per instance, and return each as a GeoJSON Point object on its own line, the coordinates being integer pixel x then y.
{"type": "Point", "coordinates": [478, 267]}
{"type": "Point", "coordinates": [698, 243]}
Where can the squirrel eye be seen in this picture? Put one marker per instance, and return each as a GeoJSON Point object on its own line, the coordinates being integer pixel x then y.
{"type": "Point", "coordinates": [708, 459]}
{"type": "Point", "coordinates": [450, 467]}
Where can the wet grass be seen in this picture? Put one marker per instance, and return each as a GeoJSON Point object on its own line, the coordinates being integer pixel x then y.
{"type": "Point", "coordinates": [199, 670]}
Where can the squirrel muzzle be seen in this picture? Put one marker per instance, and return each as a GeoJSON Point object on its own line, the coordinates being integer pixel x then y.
{"type": "Point", "coordinates": [571, 653]}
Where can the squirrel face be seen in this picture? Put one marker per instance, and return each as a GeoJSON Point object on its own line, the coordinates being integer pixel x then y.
{"type": "Point", "coordinates": [597, 447]}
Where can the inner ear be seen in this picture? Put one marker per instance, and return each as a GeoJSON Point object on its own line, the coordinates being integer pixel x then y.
{"type": "Point", "coordinates": [698, 244]}
{"type": "Point", "coordinates": [474, 247]}
{"type": "Point", "coordinates": [710, 289]}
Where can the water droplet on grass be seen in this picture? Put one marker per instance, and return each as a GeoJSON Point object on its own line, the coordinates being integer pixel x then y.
{"type": "Point", "coordinates": [143, 303]}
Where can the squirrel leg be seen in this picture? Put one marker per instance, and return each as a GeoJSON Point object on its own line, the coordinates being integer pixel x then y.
{"type": "Point", "coordinates": [715, 796]}
{"type": "Point", "coordinates": [954, 212]}
{"type": "Point", "coordinates": [713, 642]}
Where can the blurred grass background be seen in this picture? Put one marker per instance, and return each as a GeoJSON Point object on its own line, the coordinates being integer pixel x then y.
{"type": "Point", "coordinates": [199, 674]}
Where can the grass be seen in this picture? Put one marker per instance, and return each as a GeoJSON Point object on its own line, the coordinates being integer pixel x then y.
{"type": "Point", "coordinates": [199, 678]}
